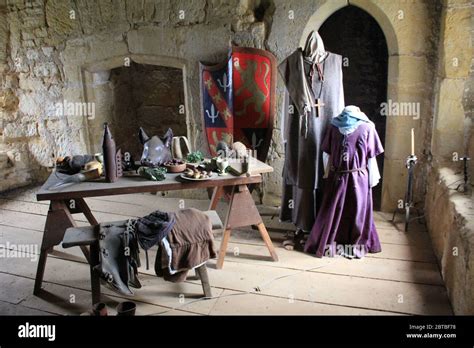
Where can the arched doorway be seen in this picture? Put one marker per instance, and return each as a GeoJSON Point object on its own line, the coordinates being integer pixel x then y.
{"type": "Point", "coordinates": [356, 35]}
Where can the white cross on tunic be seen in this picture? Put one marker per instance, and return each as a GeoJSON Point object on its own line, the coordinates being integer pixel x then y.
{"type": "Point", "coordinates": [318, 105]}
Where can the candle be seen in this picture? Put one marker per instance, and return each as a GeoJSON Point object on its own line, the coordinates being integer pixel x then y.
{"type": "Point", "coordinates": [413, 141]}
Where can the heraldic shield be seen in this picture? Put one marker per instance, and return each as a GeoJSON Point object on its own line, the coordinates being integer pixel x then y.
{"type": "Point", "coordinates": [238, 100]}
{"type": "Point", "coordinates": [217, 105]}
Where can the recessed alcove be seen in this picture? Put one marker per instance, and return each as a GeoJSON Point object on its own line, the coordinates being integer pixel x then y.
{"type": "Point", "coordinates": [148, 96]}
{"type": "Point", "coordinates": [132, 95]}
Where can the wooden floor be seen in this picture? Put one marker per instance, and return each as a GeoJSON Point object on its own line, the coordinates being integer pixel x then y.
{"type": "Point", "coordinates": [403, 279]}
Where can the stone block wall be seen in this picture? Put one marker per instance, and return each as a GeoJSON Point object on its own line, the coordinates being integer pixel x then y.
{"type": "Point", "coordinates": [16, 166]}
{"type": "Point", "coordinates": [452, 122]}
{"type": "Point", "coordinates": [450, 213]}
{"type": "Point", "coordinates": [451, 227]}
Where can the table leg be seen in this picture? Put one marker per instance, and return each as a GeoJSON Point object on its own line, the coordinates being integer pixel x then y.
{"type": "Point", "coordinates": [223, 248]}
{"type": "Point", "coordinates": [242, 212]}
{"type": "Point", "coordinates": [268, 242]}
{"type": "Point", "coordinates": [40, 271]}
{"type": "Point", "coordinates": [57, 221]}
{"type": "Point", "coordinates": [216, 196]}
{"type": "Point", "coordinates": [84, 208]}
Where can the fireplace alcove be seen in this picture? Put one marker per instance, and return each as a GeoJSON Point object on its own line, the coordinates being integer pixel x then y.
{"type": "Point", "coordinates": [148, 96]}
{"type": "Point", "coordinates": [135, 94]}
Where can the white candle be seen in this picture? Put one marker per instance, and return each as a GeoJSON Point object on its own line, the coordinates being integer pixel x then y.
{"type": "Point", "coordinates": [413, 141]}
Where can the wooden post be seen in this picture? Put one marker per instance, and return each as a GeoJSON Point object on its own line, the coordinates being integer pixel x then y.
{"type": "Point", "coordinates": [86, 211]}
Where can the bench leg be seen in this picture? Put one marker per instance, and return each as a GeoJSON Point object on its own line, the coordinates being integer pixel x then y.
{"type": "Point", "coordinates": [206, 286]}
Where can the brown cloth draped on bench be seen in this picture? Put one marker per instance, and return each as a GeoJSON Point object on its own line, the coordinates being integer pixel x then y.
{"type": "Point", "coordinates": [191, 243]}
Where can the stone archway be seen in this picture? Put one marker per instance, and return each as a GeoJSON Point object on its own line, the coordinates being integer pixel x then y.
{"type": "Point", "coordinates": [396, 147]}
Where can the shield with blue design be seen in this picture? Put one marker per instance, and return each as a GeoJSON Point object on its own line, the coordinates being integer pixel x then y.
{"type": "Point", "coordinates": [217, 103]}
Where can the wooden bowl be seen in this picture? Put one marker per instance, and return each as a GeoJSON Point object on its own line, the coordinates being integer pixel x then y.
{"type": "Point", "coordinates": [177, 168]}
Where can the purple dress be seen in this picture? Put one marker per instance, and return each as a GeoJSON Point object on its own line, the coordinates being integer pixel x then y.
{"type": "Point", "coordinates": [345, 224]}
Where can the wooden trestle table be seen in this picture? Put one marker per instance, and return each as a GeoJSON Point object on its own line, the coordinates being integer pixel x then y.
{"type": "Point", "coordinates": [68, 200]}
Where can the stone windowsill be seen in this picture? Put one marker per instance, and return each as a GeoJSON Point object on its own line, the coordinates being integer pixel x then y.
{"type": "Point", "coordinates": [463, 204]}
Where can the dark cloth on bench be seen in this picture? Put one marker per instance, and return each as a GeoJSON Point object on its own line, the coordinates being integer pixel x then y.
{"type": "Point", "coordinates": [151, 229]}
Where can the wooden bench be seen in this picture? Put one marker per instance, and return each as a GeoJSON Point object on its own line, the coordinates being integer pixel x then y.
{"type": "Point", "coordinates": [87, 237]}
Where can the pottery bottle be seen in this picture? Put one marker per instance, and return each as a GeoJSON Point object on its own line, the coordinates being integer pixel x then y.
{"type": "Point", "coordinates": [108, 148]}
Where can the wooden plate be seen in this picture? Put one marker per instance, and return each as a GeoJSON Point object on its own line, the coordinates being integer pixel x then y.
{"type": "Point", "coordinates": [213, 175]}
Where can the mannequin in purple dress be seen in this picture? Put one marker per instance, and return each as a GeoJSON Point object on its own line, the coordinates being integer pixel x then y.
{"type": "Point", "coordinates": [344, 224]}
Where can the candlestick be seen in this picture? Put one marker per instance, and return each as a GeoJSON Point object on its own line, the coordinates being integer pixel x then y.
{"type": "Point", "coordinates": [413, 141]}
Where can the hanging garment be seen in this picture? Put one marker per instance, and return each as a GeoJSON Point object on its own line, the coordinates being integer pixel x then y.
{"type": "Point", "coordinates": [344, 223]}
{"type": "Point", "coordinates": [303, 127]}
{"type": "Point", "coordinates": [119, 259]}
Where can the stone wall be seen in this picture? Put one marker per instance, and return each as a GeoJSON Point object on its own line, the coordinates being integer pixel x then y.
{"type": "Point", "coordinates": [453, 107]}
{"type": "Point", "coordinates": [159, 95]}
{"type": "Point", "coordinates": [451, 226]}
{"type": "Point", "coordinates": [449, 213]}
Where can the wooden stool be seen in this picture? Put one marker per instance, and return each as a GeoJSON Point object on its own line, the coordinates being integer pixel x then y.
{"type": "Point", "coordinates": [88, 236]}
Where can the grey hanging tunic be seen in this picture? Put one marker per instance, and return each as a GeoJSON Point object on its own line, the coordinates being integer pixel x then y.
{"type": "Point", "coordinates": [303, 131]}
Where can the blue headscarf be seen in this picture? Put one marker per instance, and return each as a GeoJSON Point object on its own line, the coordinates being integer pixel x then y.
{"type": "Point", "coordinates": [349, 119]}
